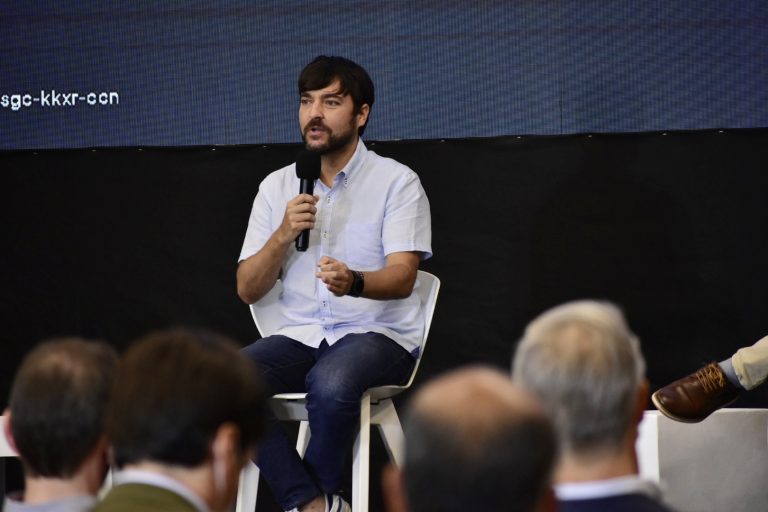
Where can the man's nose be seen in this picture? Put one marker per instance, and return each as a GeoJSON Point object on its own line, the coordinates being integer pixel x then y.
{"type": "Point", "coordinates": [316, 110]}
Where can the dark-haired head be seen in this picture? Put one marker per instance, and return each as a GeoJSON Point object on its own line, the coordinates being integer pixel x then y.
{"type": "Point", "coordinates": [173, 391]}
{"type": "Point", "coordinates": [58, 403]}
{"type": "Point", "coordinates": [353, 80]}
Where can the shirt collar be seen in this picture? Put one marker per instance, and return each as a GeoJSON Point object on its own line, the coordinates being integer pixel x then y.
{"type": "Point", "coordinates": [347, 173]}
{"type": "Point", "coordinates": [15, 502]}
{"type": "Point", "coordinates": [631, 484]}
{"type": "Point", "coordinates": [136, 476]}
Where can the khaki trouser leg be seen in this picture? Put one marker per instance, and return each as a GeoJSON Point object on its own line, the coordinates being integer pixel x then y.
{"type": "Point", "coordinates": [751, 364]}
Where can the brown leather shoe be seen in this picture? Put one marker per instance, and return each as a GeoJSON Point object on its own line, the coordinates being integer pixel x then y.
{"type": "Point", "coordinates": [693, 398]}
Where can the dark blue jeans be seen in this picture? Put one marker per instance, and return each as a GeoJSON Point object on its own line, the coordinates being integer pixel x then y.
{"type": "Point", "coordinates": [334, 378]}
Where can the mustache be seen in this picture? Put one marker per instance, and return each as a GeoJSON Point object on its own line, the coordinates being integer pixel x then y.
{"type": "Point", "coordinates": [315, 123]}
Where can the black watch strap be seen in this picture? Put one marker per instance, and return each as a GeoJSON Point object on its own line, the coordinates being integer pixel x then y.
{"type": "Point", "coordinates": [358, 283]}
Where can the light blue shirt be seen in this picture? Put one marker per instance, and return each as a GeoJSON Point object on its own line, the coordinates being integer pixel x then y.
{"type": "Point", "coordinates": [69, 504]}
{"type": "Point", "coordinates": [375, 207]}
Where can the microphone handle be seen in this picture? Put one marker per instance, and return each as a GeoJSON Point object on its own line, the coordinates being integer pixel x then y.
{"type": "Point", "coordinates": [302, 241]}
{"type": "Point", "coordinates": [306, 186]}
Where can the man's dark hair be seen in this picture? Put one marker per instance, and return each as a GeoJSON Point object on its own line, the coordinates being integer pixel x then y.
{"type": "Point", "coordinates": [505, 468]}
{"type": "Point", "coordinates": [353, 79]}
{"type": "Point", "coordinates": [58, 403]}
{"type": "Point", "coordinates": [174, 389]}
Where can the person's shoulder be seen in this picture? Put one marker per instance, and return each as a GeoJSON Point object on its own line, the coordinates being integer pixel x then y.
{"type": "Point", "coordinates": [387, 165]}
{"type": "Point", "coordinates": [624, 502]}
{"type": "Point", "coordinates": [78, 503]}
{"type": "Point", "coordinates": [281, 175]}
{"type": "Point", "coordinates": [131, 497]}
{"type": "Point", "coordinates": [279, 182]}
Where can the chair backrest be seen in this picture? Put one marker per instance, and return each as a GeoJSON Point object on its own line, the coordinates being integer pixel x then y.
{"type": "Point", "coordinates": [5, 451]}
{"type": "Point", "coordinates": [5, 448]}
{"type": "Point", "coordinates": [264, 312]}
{"type": "Point", "coordinates": [427, 289]}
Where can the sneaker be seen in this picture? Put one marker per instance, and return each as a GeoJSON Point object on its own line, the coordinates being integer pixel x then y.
{"type": "Point", "coordinates": [335, 503]}
{"type": "Point", "coordinates": [693, 398]}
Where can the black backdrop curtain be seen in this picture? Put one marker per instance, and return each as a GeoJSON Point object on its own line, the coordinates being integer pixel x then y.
{"type": "Point", "coordinates": [673, 227]}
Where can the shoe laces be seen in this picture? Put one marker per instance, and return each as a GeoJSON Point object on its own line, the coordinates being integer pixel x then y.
{"type": "Point", "coordinates": [711, 378]}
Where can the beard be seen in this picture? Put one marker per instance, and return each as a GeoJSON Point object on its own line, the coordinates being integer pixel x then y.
{"type": "Point", "coordinates": [335, 142]}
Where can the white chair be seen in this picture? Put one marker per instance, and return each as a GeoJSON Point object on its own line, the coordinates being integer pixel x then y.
{"type": "Point", "coordinates": [5, 448]}
{"type": "Point", "coordinates": [5, 451]}
{"type": "Point", "coordinates": [376, 407]}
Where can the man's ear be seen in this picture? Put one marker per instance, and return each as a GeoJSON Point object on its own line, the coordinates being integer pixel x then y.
{"type": "Point", "coordinates": [8, 432]}
{"type": "Point", "coordinates": [225, 443]}
{"type": "Point", "coordinates": [643, 391]}
{"type": "Point", "coordinates": [226, 461]}
{"type": "Point", "coordinates": [362, 114]}
{"type": "Point", "coordinates": [393, 489]}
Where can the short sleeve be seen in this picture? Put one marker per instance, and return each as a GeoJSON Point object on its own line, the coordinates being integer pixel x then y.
{"type": "Point", "coordinates": [407, 222]}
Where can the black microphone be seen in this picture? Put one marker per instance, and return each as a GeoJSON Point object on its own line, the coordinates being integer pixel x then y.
{"type": "Point", "coordinates": [307, 170]}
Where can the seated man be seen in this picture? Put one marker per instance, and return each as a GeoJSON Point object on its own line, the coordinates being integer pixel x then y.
{"type": "Point", "coordinates": [183, 420]}
{"type": "Point", "coordinates": [55, 421]}
{"type": "Point", "coordinates": [474, 441]}
{"type": "Point", "coordinates": [693, 398]}
{"type": "Point", "coordinates": [348, 319]}
{"type": "Point", "coordinates": [585, 366]}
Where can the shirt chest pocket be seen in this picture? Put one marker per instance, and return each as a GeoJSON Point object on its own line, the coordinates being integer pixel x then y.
{"type": "Point", "coordinates": [364, 246]}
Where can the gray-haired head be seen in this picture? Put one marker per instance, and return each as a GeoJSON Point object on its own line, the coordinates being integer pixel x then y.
{"type": "Point", "coordinates": [585, 365]}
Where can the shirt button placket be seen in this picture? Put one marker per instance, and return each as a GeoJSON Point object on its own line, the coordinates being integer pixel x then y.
{"type": "Point", "coordinates": [325, 297]}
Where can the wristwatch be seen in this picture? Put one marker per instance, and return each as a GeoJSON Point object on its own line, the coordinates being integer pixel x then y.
{"type": "Point", "coordinates": [358, 282]}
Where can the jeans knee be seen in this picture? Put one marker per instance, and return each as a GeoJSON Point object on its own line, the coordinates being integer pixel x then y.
{"type": "Point", "coordinates": [333, 392]}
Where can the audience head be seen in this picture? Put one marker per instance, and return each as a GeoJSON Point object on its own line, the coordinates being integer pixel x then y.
{"type": "Point", "coordinates": [187, 399]}
{"type": "Point", "coordinates": [57, 408]}
{"type": "Point", "coordinates": [585, 365]}
{"type": "Point", "coordinates": [475, 441]}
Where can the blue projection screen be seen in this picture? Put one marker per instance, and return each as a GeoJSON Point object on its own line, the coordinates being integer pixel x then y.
{"type": "Point", "coordinates": [176, 73]}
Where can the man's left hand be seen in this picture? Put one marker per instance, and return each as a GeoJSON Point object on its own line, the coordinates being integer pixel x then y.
{"type": "Point", "coordinates": [335, 274]}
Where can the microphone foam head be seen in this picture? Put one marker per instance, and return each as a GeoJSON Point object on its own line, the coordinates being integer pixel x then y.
{"type": "Point", "coordinates": [308, 165]}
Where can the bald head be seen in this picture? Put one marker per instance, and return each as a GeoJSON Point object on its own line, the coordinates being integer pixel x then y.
{"type": "Point", "coordinates": [474, 440]}
{"type": "Point", "coordinates": [475, 403]}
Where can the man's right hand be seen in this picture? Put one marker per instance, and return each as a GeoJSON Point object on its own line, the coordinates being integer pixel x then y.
{"type": "Point", "coordinates": [299, 215]}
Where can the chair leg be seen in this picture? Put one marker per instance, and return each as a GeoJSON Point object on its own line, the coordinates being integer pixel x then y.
{"type": "Point", "coordinates": [248, 488]}
{"type": "Point", "coordinates": [391, 431]}
{"type": "Point", "coordinates": [303, 438]}
{"type": "Point", "coordinates": [361, 458]}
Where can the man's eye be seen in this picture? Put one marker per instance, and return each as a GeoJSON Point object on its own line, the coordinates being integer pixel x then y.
{"type": "Point", "coordinates": [333, 103]}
